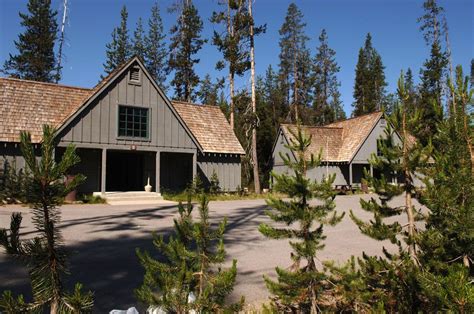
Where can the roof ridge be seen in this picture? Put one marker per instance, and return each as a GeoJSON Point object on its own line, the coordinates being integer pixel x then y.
{"type": "Point", "coordinates": [193, 104]}
{"type": "Point", "coordinates": [353, 118]}
{"type": "Point", "coordinates": [313, 126]}
{"type": "Point", "coordinates": [44, 83]}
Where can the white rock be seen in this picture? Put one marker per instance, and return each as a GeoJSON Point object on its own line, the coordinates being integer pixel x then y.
{"type": "Point", "coordinates": [131, 310]}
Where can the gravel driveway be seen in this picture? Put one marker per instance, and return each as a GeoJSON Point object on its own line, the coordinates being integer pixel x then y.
{"type": "Point", "coordinates": [102, 241]}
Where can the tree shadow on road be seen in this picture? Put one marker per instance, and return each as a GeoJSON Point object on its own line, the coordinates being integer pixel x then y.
{"type": "Point", "coordinates": [109, 266]}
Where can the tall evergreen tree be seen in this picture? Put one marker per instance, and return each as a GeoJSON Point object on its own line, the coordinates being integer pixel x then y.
{"type": "Point", "coordinates": [274, 96]}
{"type": "Point", "coordinates": [450, 187]}
{"type": "Point", "coordinates": [404, 161]}
{"type": "Point", "coordinates": [186, 41]}
{"type": "Point", "coordinates": [35, 59]}
{"type": "Point", "coordinates": [266, 132]}
{"type": "Point", "coordinates": [45, 254]}
{"type": "Point", "coordinates": [208, 92]}
{"type": "Point", "coordinates": [326, 104]}
{"type": "Point", "coordinates": [299, 288]}
{"type": "Point", "coordinates": [119, 50]}
{"type": "Point", "coordinates": [292, 55]}
{"type": "Point", "coordinates": [232, 42]}
{"type": "Point", "coordinates": [412, 101]}
{"type": "Point", "coordinates": [369, 87]}
{"type": "Point", "coordinates": [431, 92]}
{"type": "Point", "coordinates": [433, 22]}
{"type": "Point", "coordinates": [189, 276]}
{"type": "Point", "coordinates": [138, 44]}
{"type": "Point", "coordinates": [252, 32]}
{"type": "Point", "coordinates": [472, 72]}
{"type": "Point", "coordinates": [433, 26]}
{"type": "Point", "coordinates": [155, 49]}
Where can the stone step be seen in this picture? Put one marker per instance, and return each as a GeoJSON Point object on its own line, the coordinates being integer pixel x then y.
{"type": "Point", "coordinates": [133, 197]}
{"type": "Point", "coordinates": [141, 202]}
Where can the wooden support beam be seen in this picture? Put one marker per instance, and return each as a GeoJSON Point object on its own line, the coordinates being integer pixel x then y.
{"type": "Point", "coordinates": [157, 172]}
{"type": "Point", "coordinates": [103, 171]}
{"type": "Point", "coordinates": [350, 174]}
{"type": "Point", "coordinates": [194, 164]}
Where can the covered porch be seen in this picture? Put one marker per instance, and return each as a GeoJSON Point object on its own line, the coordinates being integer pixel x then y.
{"type": "Point", "coordinates": [118, 170]}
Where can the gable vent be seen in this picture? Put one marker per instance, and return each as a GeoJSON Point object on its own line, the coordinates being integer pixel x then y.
{"type": "Point", "coordinates": [135, 74]}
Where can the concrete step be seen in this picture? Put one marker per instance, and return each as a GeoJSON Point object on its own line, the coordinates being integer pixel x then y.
{"type": "Point", "coordinates": [133, 198]}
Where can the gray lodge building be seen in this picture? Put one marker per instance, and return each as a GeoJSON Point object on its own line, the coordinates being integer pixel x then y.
{"type": "Point", "coordinates": [126, 132]}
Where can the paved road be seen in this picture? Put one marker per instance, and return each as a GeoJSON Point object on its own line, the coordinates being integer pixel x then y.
{"type": "Point", "coordinates": [103, 238]}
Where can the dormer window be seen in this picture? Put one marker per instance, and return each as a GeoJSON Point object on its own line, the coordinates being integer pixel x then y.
{"type": "Point", "coordinates": [134, 75]}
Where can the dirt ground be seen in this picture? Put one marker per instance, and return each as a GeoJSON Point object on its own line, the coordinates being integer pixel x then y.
{"type": "Point", "coordinates": [102, 240]}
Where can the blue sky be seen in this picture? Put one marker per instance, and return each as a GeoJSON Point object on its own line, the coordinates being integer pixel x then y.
{"type": "Point", "coordinates": [392, 24]}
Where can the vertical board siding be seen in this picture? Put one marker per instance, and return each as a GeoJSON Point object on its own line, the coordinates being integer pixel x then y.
{"type": "Point", "coordinates": [98, 123]}
{"type": "Point", "coordinates": [86, 128]}
{"type": "Point", "coordinates": [227, 168]}
{"type": "Point", "coordinates": [95, 123]}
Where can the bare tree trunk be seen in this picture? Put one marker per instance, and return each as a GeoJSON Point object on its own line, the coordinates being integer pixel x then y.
{"type": "Point", "coordinates": [295, 91]}
{"type": "Point", "coordinates": [230, 31]}
{"type": "Point", "coordinates": [256, 178]}
{"type": "Point", "coordinates": [408, 196]}
{"type": "Point", "coordinates": [61, 41]}
{"type": "Point", "coordinates": [232, 106]}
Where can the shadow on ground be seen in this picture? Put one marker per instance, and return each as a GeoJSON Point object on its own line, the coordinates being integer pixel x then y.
{"type": "Point", "coordinates": [109, 266]}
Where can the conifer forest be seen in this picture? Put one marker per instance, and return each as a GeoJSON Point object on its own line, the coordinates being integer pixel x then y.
{"type": "Point", "coordinates": [415, 197]}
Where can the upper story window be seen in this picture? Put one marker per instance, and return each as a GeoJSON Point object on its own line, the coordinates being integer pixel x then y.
{"type": "Point", "coordinates": [134, 75]}
{"type": "Point", "coordinates": [133, 122]}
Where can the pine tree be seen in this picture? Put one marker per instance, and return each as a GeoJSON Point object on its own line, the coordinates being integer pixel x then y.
{"type": "Point", "coordinates": [434, 26]}
{"type": "Point", "coordinates": [274, 95]}
{"type": "Point", "coordinates": [433, 22]}
{"type": "Point", "coordinates": [266, 132]}
{"type": "Point", "coordinates": [300, 287]}
{"type": "Point", "coordinates": [369, 87]}
{"type": "Point", "coordinates": [405, 161]}
{"type": "Point", "coordinates": [450, 187]}
{"type": "Point", "coordinates": [35, 59]}
{"type": "Point", "coordinates": [45, 255]}
{"type": "Point", "coordinates": [412, 101]}
{"type": "Point", "coordinates": [155, 49]}
{"type": "Point", "coordinates": [187, 278]}
{"type": "Point", "coordinates": [232, 43]}
{"type": "Point", "coordinates": [255, 163]}
{"type": "Point", "coordinates": [326, 103]}
{"type": "Point", "coordinates": [472, 72]}
{"type": "Point", "coordinates": [431, 92]}
{"type": "Point", "coordinates": [208, 92]}
{"type": "Point", "coordinates": [292, 52]}
{"type": "Point", "coordinates": [186, 41]}
{"type": "Point", "coordinates": [138, 44]}
{"type": "Point", "coordinates": [119, 50]}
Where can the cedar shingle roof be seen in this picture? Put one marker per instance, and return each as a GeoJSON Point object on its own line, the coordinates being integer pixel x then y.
{"type": "Point", "coordinates": [343, 138]}
{"type": "Point", "coordinates": [28, 105]}
{"type": "Point", "coordinates": [210, 127]}
{"type": "Point", "coordinates": [325, 140]}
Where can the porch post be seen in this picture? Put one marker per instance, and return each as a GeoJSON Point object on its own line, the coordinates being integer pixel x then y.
{"type": "Point", "coordinates": [350, 174]}
{"type": "Point", "coordinates": [103, 171]}
{"type": "Point", "coordinates": [194, 164]}
{"type": "Point", "coordinates": [371, 170]}
{"type": "Point", "coordinates": [157, 173]}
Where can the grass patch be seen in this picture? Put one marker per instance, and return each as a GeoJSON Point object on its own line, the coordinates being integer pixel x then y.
{"type": "Point", "coordinates": [183, 196]}
{"type": "Point", "coordinates": [91, 199]}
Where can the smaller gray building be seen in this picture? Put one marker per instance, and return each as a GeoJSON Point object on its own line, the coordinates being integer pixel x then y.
{"type": "Point", "coordinates": [126, 131]}
{"type": "Point", "coordinates": [345, 147]}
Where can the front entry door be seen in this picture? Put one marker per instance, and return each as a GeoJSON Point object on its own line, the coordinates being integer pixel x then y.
{"type": "Point", "coordinates": [125, 171]}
